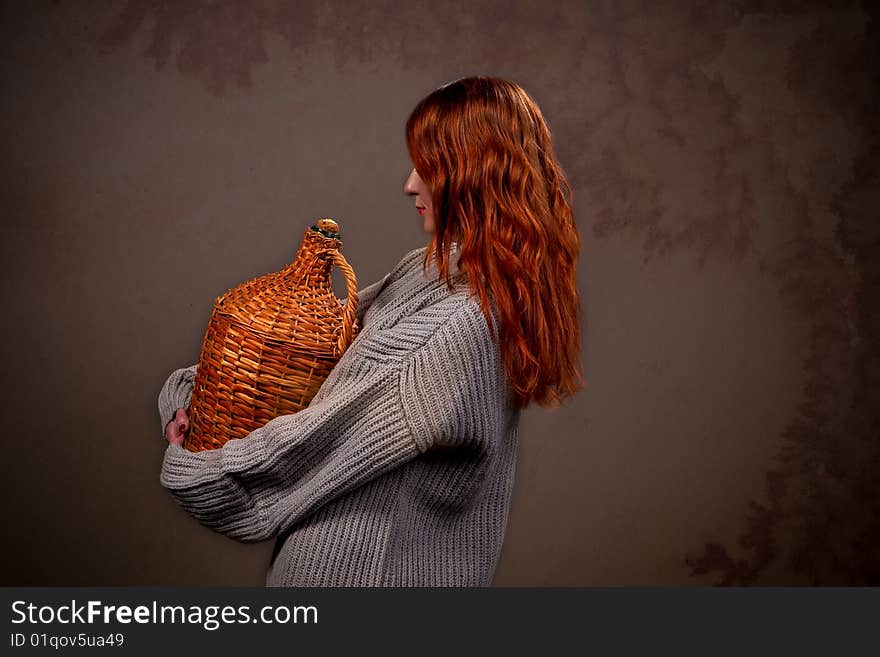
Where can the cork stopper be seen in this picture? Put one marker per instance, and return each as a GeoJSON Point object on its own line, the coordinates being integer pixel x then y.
{"type": "Point", "coordinates": [328, 224]}
{"type": "Point", "coordinates": [327, 227]}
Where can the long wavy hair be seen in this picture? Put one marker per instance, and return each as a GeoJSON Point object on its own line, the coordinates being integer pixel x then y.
{"type": "Point", "coordinates": [484, 149]}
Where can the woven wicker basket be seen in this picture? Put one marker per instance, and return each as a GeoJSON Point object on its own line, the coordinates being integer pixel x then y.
{"type": "Point", "coordinates": [271, 342]}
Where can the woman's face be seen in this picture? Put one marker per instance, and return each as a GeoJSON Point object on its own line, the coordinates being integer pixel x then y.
{"type": "Point", "coordinates": [415, 186]}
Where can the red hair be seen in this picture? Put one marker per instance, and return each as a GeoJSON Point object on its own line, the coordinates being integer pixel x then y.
{"type": "Point", "coordinates": [482, 146]}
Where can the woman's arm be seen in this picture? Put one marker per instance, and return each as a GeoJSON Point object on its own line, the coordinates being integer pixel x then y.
{"type": "Point", "coordinates": [254, 487]}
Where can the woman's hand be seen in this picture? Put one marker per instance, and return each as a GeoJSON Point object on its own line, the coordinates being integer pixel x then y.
{"type": "Point", "coordinates": [176, 429]}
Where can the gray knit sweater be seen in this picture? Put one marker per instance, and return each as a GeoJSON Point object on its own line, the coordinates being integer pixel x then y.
{"type": "Point", "coordinates": [398, 473]}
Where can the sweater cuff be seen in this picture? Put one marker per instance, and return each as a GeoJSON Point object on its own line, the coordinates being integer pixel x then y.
{"type": "Point", "coordinates": [182, 468]}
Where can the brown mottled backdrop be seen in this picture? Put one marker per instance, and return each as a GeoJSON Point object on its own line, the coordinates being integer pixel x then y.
{"type": "Point", "coordinates": [724, 157]}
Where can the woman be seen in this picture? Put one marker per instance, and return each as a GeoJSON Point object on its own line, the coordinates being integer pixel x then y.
{"type": "Point", "coordinates": [400, 471]}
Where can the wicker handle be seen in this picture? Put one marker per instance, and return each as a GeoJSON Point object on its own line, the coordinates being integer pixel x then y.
{"type": "Point", "coordinates": [350, 313]}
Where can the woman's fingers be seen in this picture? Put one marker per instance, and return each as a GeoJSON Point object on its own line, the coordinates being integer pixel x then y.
{"type": "Point", "coordinates": [178, 427]}
{"type": "Point", "coordinates": [182, 420]}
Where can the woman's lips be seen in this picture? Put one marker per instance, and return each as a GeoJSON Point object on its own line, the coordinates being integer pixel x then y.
{"type": "Point", "coordinates": [421, 210]}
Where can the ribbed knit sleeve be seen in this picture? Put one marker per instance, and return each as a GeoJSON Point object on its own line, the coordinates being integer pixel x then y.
{"type": "Point", "coordinates": [255, 487]}
{"type": "Point", "coordinates": [454, 389]}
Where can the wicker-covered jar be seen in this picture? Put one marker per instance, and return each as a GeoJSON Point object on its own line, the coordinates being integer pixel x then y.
{"type": "Point", "coordinates": [271, 342]}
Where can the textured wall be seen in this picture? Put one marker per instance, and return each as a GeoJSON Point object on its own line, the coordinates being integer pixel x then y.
{"type": "Point", "coordinates": [724, 157]}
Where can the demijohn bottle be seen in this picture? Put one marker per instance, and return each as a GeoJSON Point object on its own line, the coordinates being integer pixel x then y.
{"type": "Point", "coordinates": [271, 342]}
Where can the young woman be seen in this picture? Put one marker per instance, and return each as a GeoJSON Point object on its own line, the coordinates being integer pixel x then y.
{"type": "Point", "coordinates": [400, 471]}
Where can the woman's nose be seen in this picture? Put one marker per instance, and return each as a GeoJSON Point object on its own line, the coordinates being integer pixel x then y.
{"type": "Point", "coordinates": [409, 185]}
